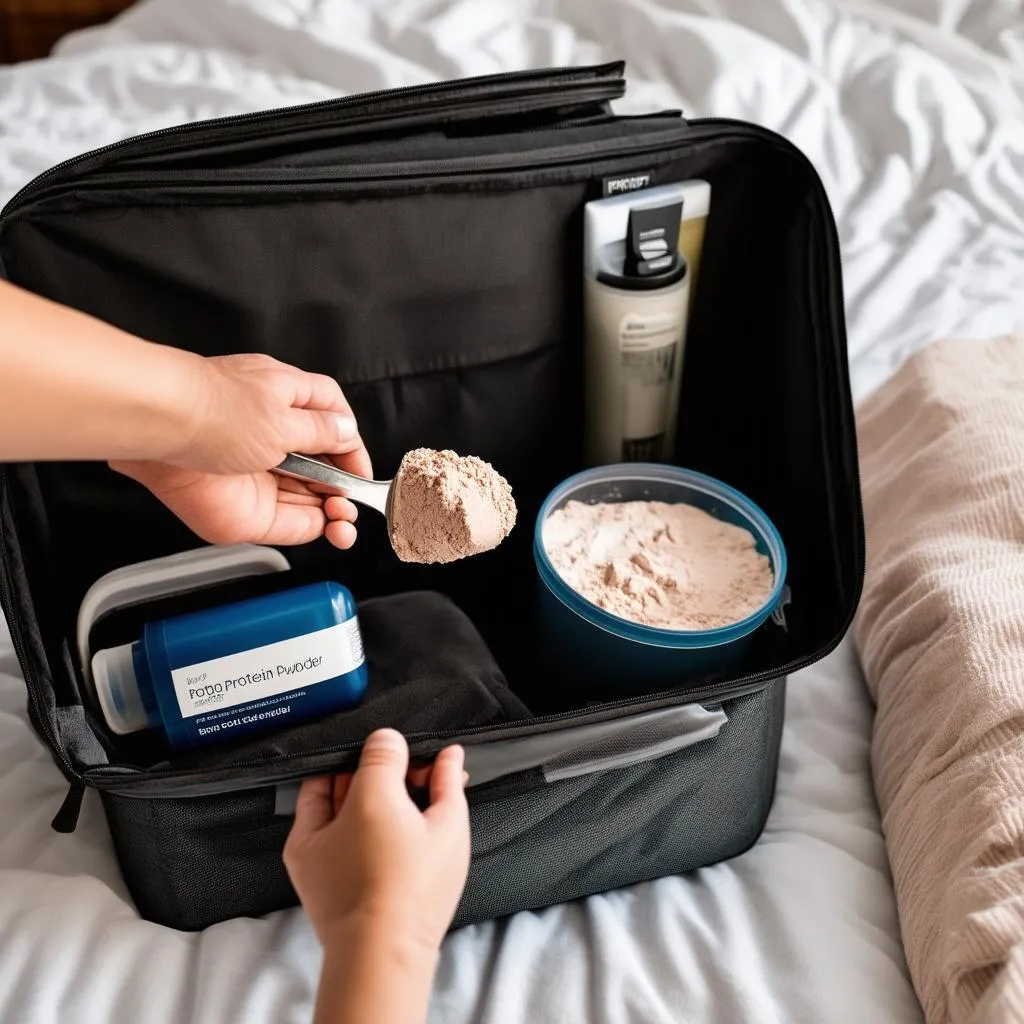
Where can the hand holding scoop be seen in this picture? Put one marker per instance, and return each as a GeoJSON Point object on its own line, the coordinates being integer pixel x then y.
{"type": "Point", "coordinates": [439, 507]}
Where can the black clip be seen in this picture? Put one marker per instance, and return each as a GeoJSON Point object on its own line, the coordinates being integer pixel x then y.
{"type": "Point", "coordinates": [66, 819]}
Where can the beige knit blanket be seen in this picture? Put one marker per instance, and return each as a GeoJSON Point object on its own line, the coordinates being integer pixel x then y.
{"type": "Point", "coordinates": [941, 636]}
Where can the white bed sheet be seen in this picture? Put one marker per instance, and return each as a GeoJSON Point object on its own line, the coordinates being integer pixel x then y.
{"type": "Point", "coordinates": [913, 115]}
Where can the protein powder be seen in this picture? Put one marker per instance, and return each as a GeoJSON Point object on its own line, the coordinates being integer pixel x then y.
{"type": "Point", "coordinates": [446, 506]}
{"type": "Point", "coordinates": [671, 566]}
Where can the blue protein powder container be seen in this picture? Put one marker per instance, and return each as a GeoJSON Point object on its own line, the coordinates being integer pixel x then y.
{"type": "Point", "coordinates": [220, 674]}
{"type": "Point", "coordinates": [614, 657]}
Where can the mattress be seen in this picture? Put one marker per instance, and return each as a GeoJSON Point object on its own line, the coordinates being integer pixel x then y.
{"type": "Point", "coordinates": [914, 115]}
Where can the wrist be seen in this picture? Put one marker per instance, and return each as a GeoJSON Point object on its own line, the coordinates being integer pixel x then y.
{"type": "Point", "coordinates": [382, 936]}
{"type": "Point", "coordinates": [374, 970]}
{"type": "Point", "coordinates": [168, 407]}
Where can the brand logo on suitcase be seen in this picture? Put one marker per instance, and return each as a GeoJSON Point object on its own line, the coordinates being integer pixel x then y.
{"type": "Point", "coordinates": [626, 183]}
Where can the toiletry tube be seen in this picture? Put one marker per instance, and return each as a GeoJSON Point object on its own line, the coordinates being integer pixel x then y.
{"type": "Point", "coordinates": [696, 206]}
{"type": "Point", "coordinates": [638, 287]}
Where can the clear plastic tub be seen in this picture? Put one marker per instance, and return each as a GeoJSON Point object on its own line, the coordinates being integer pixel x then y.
{"type": "Point", "coordinates": [587, 647]}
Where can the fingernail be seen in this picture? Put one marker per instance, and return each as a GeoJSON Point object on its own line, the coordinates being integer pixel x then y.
{"type": "Point", "coordinates": [385, 736]}
{"type": "Point", "coordinates": [346, 426]}
{"type": "Point", "coordinates": [465, 779]}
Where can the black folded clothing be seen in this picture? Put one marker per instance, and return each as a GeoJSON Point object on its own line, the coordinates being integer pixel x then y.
{"type": "Point", "coordinates": [430, 671]}
{"type": "Point", "coordinates": [429, 668]}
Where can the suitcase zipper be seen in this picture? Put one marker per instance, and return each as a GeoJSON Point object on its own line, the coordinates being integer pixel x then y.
{"type": "Point", "coordinates": [35, 709]}
{"type": "Point", "coordinates": [128, 781]}
{"type": "Point", "coordinates": [599, 81]}
{"type": "Point", "coordinates": [179, 783]}
{"type": "Point", "coordinates": [303, 179]}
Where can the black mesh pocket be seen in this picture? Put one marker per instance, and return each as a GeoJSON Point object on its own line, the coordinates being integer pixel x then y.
{"type": "Point", "coordinates": [192, 862]}
{"type": "Point", "coordinates": [566, 839]}
{"type": "Point", "coordinates": [195, 861]}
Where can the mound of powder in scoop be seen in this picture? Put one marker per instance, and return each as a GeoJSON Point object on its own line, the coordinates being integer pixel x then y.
{"type": "Point", "coordinates": [446, 506]}
{"type": "Point", "coordinates": [670, 566]}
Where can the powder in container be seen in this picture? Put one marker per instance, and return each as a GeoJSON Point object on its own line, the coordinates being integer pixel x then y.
{"type": "Point", "coordinates": [670, 566]}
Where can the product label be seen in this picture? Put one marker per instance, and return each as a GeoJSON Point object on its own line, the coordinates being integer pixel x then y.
{"type": "Point", "coordinates": [269, 670]}
{"type": "Point", "coordinates": [651, 349]}
{"type": "Point", "coordinates": [626, 183]}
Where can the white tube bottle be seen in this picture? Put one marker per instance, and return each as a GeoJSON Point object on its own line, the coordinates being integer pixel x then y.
{"type": "Point", "coordinates": [637, 285]}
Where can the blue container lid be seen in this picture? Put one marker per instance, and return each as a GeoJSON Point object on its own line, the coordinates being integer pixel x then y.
{"type": "Point", "coordinates": [667, 480]}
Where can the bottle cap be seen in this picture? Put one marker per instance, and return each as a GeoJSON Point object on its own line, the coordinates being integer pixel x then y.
{"type": "Point", "coordinates": [649, 257]}
{"type": "Point", "coordinates": [113, 671]}
{"type": "Point", "coordinates": [652, 243]}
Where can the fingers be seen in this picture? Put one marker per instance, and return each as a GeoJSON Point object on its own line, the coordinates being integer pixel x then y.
{"type": "Point", "coordinates": [341, 534]}
{"type": "Point", "coordinates": [318, 391]}
{"type": "Point", "coordinates": [384, 759]}
{"type": "Point", "coordinates": [342, 783]}
{"type": "Point", "coordinates": [447, 785]}
{"type": "Point", "coordinates": [332, 518]}
{"type": "Point", "coordinates": [356, 461]}
{"type": "Point", "coordinates": [296, 491]}
{"type": "Point", "coordinates": [316, 432]}
{"type": "Point", "coordinates": [337, 507]}
{"type": "Point", "coordinates": [296, 524]}
{"type": "Point", "coordinates": [314, 807]}
{"type": "Point", "coordinates": [419, 776]}
{"type": "Point", "coordinates": [341, 516]}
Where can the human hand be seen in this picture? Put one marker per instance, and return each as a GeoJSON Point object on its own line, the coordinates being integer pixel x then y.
{"type": "Point", "coordinates": [363, 857]}
{"type": "Point", "coordinates": [246, 413]}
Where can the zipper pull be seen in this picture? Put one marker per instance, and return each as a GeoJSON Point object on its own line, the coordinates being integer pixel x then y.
{"type": "Point", "coordinates": [66, 819]}
{"type": "Point", "coordinates": [285, 796]}
{"type": "Point", "coordinates": [779, 615]}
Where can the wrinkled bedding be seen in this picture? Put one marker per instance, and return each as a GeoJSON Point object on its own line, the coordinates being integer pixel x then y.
{"type": "Point", "coordinates": [939, 636]}
{"type": "Point", "coordinates": [913, 115]}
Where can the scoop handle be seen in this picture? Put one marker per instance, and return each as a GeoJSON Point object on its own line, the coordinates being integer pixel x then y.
{"type": "Point", "coordinates": [372, 493]}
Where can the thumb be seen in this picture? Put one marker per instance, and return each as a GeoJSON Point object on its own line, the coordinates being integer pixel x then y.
{"type": "Point", "coordinates": [319, 432]}
{"type": "Point", "coordinates": [384, 760]}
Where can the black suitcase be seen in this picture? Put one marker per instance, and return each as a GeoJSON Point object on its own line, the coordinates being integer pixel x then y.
{"type": "Point", "coordinates": [423, 246]}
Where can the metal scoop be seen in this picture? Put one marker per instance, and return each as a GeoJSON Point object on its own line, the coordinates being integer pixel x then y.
{"type": "Point", "coordinates": [325, 476]}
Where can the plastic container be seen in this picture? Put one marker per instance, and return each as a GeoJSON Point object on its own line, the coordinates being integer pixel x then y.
{"type": "Point", "coordinates": [612, 657]}
{"type": "Point", "coordinates": [136, 584]}
{"type": "Point", "coordinates": [220, 674]}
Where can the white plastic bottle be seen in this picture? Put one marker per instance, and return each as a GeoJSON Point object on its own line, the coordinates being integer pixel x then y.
{"type": "Point", "coordinates": [637, 289]}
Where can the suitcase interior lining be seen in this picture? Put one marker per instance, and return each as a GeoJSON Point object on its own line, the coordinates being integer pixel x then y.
{"type": "Point", "coordinates": [758, 408]}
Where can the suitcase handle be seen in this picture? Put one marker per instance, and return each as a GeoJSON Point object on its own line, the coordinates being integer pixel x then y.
{"type": "Point", "coordinates": [569, 753]}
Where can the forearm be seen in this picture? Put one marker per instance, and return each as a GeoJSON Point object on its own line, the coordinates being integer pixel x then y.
{"type": "Point", "coordinates": [73, 387]}
{"type": "Point", "coordinates": [374, 975]}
